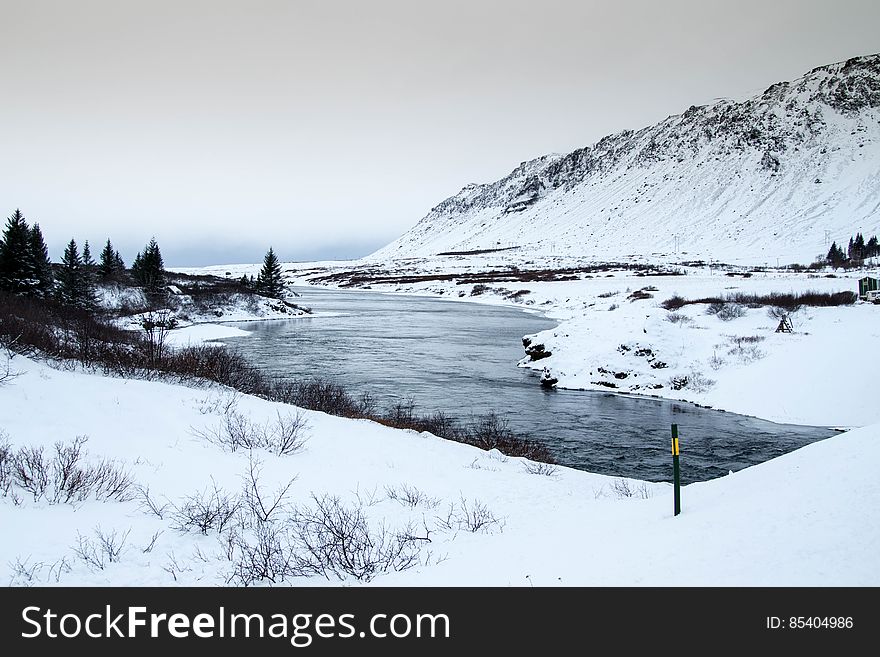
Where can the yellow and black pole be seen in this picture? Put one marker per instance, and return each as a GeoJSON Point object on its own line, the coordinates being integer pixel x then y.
{"type": "Point", "coordinates": [676, 471]}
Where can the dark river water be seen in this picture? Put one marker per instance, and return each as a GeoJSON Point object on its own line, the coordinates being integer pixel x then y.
{"type": "Point", "coordinates": [460, 358]}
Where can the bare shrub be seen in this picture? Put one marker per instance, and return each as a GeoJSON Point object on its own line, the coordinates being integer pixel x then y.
{"type": "Point", "coordinates": [333, 539]}
{"type": "Point", "coordinates": [209, 510]}
{"type": "Point", "coordinates": [473, 516]}
{"type": "Point", "coordinates": [283, 436]}
{"type": "Point", "coordinates": [65, 476]}
{"type": "Point", "coordinates": [23, 572]}
{"type": "Point", "coordinates": [411, 496]}
{"type": "Point", "coordinates": [267, 557]}
{"type": "Point", "coordinates": [679, 318]}
{"type": "Point", "coordinates": [479, 289]}
{"type": "Point", "coordinates": [6, 465]}
{"type": "Point", "coordinates": [544, 469]}
{"type": "Point", "coordinates": [152, 542]}
{"type": "Point", "coordinates": [262, 508]}
{"type": "Point", "coordinates": [730, 311]}
{"type": "Point", "coordinates": [613, 306]}
{"type": "Point", "coordinates": [606, 295]}
{"type": "Point", "coordinates": [148, 505]}
{"type": "Point", "coordinates": [106, 547]}
{"type": "Point", "coordinates": [622, 488]}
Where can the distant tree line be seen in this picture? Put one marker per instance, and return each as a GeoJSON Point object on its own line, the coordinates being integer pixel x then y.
{"type": "Point", "coordinates": [25, 268]}
{"type": "Point", "coordinates": [857, 251]}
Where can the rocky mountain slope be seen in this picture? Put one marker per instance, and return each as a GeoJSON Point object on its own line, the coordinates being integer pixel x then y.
{"type": "Point", "coordinates": [777, 176]}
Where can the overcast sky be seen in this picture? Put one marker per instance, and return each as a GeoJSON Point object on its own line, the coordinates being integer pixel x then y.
{"type": "Point", "coordinates": [328, 128]}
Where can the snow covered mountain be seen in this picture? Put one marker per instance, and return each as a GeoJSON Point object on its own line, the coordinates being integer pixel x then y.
{"type": "Point", "coordinates": [747, 181]}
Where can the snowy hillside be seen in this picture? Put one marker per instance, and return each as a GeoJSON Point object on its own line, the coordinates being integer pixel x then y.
{"type": "Point", "coordinates": [463, 516]}
{"type": "Point", "coordinates": [744, 181]}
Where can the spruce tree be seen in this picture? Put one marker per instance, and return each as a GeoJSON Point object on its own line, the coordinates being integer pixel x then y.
{"type": "Point", "coordinates": [16, 267]}
{"type": "Point", "coordinates": [149, 269]}
{"type": "Point", "coordinates": [110, 265]}
{"type": "Point", "coordinates": [859, 247]}
{"type": "Point", "coordinates": [72, 286]}
{"type": "Point", "coordinates": [270, 283]}
{"type": "Point", "coordinates": [872, 248]}
{"type": "Point", "coordinates": [835, 256]}
{"type": "Point", "coordinates": [89, 267]}
{"type": "Point", "coordinates": [40, 263]}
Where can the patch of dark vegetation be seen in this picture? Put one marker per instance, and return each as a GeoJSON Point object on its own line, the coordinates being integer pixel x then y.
{"type": "Point", "coordinates": [535, 351]}
{"type": "Point", "coordinates": [639, 295]}
{"type": "Point", "coordinates": [478, 251]}
{"type": "Point", "coordinates": [362, 276]}
{"type": "Point", "coordinates": [791, 301]}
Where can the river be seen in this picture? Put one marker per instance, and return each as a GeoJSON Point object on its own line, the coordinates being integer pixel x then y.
{"type": "Point", "coordinates": [460, 358]}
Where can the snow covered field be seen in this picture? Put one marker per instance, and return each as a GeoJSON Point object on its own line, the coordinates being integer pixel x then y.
{"type": "Point", "coordinates": [807, 518]}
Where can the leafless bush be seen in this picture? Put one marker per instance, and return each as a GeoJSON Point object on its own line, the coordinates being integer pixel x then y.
{"type": "Point", "coordinates": [679, 318]}
{"type": "Point", "coordinates": [156, 325]}
{"type": "Point", "coordinates": [148, 505]}
{"type": "Point", "coordinates": [6, 467]}
{"type": "Point", "coordinates": [606, 295]}
{"type": "Point", "coordinates": [23, 572]}
{"type": "Point", "coordinates": [210, 509]}
{"type": "Point", "coordinates": [478, 289]}
{"type": "Point", "coordinates": [726, 311]}
{"type": "Point", "coordinates": [173, 567]}
{"type": "Point", "coordinates": [283, 436]}
{"type": "Point", "coordinates": [471, 516]}
{"type": "Point", "coordinates": [267, 557]}
{"type": "Point", "coordinates": [262, 508]}
{"type": "Point", "coordinates": [613, 306]}
{"type": "Point", "coordinates": [716, 362]}
{"type": "Point", "coordinates": [65, 476]}
{"type": "Point", "coordinates": [103, 549]}
{"type": "Point", "coordinates": [152, 542]}
{"type": "Point", "coordinates": [333, 539]}
{"type": "Point", "coordinates": [544, 469]}
{"type": "Point", "coordinates": [411, 496]}
{"type": "Point", "coordinates": [7, 374]}
{"type": "Point", "coordinates": [622, 488]}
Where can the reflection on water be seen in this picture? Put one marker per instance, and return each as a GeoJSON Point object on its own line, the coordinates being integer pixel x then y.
{"type": "Point", "coordinates": [459, 358]}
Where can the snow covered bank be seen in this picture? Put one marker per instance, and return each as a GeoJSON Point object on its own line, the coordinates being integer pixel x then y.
{"type": "Point", "coordinates": [614, 335]}
{"type": "Point", "coordinates": [807, 518]}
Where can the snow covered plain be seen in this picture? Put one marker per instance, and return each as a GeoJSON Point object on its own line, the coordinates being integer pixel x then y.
{"type": "Point", "coordinates": [806, 518]}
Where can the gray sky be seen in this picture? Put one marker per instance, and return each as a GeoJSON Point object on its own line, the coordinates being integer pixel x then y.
{"type": "Point", "coordinates": [328, 128]}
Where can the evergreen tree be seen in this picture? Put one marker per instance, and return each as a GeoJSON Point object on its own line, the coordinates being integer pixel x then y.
{"type": "Point", "coordinates": [73, 286]}
{"type": "Point", "coordinates": [16, 267]}
{"type": "Point", "coordinates": [835, 256]}
{"type": "Point", "coordinates": [872, 248]}
{"type": "Point", "coordinates": [148, 268]}
{"type": "Point", "coordinates": [270, 283]}
{"type": "Point", "coordinates": [89, 267]}
{"type": "Point", "coordinates": [40, 263]}
{"type": "Point", "coordinates": [110, 265]}
{"type": "Point", "coordinates": [859, 247]}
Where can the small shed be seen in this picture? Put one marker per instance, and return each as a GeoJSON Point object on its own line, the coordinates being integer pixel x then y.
{"type": "Point", "coordinates": [868, 284]}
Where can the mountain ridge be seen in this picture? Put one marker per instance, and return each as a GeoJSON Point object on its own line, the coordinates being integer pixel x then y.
{"type": "Point", "coordinates": [740, 180]}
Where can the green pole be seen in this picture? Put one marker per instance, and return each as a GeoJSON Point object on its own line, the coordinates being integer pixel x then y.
{"type": "Point", "coordinates": [676, 471]}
